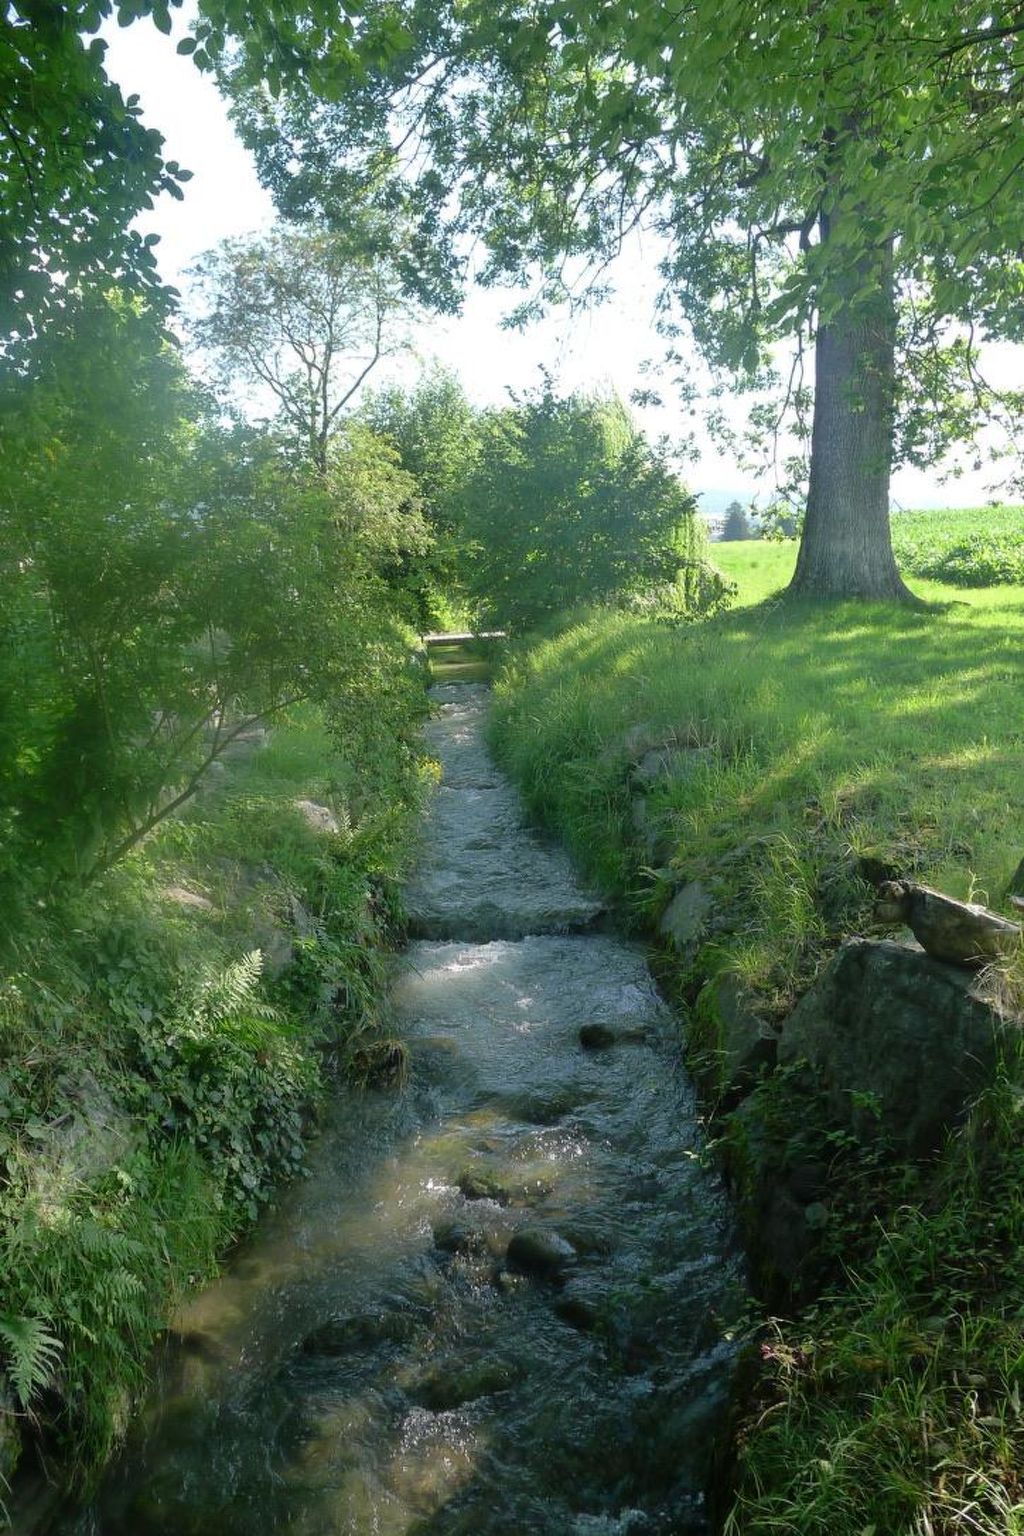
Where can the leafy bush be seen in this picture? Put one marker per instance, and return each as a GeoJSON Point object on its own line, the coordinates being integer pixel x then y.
{"type": "Point", "coordinates": [164, 584]}
{"type": "Point", "coordinates": [568, 504]}
{"type": "Point", "coordinates": [156, 1083]}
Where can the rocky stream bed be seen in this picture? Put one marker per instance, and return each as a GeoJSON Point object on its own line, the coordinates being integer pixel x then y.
{"type": "Point", "coordinates": [500, 1304]}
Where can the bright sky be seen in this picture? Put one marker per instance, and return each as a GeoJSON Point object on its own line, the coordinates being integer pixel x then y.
{"type": "Point", "coordinates": [605, 348]}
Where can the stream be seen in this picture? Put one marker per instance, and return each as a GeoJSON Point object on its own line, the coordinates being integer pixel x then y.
{"type": "Point", "coordinates": [499, 1304]}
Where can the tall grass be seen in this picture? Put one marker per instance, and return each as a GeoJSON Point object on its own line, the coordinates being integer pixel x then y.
{"type": "Point", "coordinates": [828, 734]}
{"type": "Point", "coordinates": [826, 737]}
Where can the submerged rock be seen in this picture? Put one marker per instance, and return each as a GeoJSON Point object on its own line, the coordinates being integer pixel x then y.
{"type": "Point", "coordinates": [578, 1308]}
{"type": "Point", "coordinates": [483, 1184]}
{"type": "Point", "coordinates": [534, 1251]}
{"type": "Point", "coordinates": [453, 1383]}
{"type": "Point", "coordinates": [342, 1335]}
{"type": "Point", "coordinates": [597, 1037]}
{"type": "Point", "coordinates": [452, 1237]}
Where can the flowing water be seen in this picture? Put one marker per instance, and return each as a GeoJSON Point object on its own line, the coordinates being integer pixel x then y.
{"type": "Point", "coordinates": [378, 1360]}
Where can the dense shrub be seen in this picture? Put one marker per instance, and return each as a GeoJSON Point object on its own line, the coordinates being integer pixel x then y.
{"type": "Point", "coordinates": [159, 1078]}
{"type": "Point", "coordinates": [568, 503]}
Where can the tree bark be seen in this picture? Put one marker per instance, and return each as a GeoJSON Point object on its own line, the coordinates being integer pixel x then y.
{"type": "Point", "coordinates": [846, 546]}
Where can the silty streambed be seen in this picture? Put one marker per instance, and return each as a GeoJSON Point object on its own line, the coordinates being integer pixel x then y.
{"type": "Point", "coordinates": [378, 1361]}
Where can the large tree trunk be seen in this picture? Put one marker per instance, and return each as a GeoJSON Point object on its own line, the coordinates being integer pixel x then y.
{"type": "Point", "coordinates": [846, 547]}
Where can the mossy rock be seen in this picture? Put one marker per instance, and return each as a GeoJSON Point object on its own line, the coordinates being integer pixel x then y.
{"type": "Point", "coordinates": [535, 1251]}
{"type": "Point", "coordinates": [451, 1384]}
{"type": "Point", "coordinates": [484, 1184]}
{"type": "Point", "coordinates": [729, 1044]}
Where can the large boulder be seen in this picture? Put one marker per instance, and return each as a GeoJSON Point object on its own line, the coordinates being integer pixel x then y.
{"type": "Point", "coordinates": [318, 818]}
{"type": "Point", "coordinates": [535, 1251]}
{"type": "Point", "coordinates": [961, 932]}
{"type": "Point", "coordinates": [899, 1043]}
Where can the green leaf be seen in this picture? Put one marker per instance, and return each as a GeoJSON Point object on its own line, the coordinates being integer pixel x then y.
{"type": "Point", "coordinates": [32, 1354]}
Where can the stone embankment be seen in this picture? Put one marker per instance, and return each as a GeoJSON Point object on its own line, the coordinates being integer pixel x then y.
{"type": "Point", "coordinates": [890, 1045]}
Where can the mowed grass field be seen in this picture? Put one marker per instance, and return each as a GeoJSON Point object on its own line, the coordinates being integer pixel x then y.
{"type": "Point", "coordinates": [963, 547]}
{"type": "Point", "coordinates": [893, 1406]}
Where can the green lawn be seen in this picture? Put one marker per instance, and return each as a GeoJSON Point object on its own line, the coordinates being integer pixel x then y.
{"type": "Point", "coordinates": [759, 567]}
{"type": "Point", "coordinates": [827, 730]}
{"type": "Point", "coordinates": [965, 547]}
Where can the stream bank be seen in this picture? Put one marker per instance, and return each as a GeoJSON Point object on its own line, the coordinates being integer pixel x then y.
{"type": "Point", "coordinates": [503, 1300]}
{"type": "Point", "coordinates": [166, 1038]}
{"type": "Point", "coordinates": [740, 789]}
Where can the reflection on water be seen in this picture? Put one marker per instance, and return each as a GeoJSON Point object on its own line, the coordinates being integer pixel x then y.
{"type": "Point", "coordinates": [378, 1361]}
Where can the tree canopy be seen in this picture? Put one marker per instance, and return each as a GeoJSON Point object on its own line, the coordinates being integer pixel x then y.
{"type": "Point", "coordinates": [165, 581]}
{"type": "Point", "coordinates": [842, 175]}
{"type": "Point", "coordinates": [304, 316]}
{"type": "Point", "coordinates": [77, 162]}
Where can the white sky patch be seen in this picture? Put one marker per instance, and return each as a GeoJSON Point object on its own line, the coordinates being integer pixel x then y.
{"type": "Point", "coordinates": [603, 349]}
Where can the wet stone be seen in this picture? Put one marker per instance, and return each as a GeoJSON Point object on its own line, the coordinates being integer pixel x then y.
{"type": "Point", "coordinates": [546, 1107]}
{"type": "Point", "coordinates": [480, 1184]}
{"type": "Point", "coordinates": [577, 1309]}
{"type": "Point", "coordinates": [451, 1237]}
{"type": "Point", "coordinates": [451, 1384]}
{"type": "Point", "coordinates": [507, 1282]}
{"type": "Point", "coordinates": [534, 1251]}
{"type": "Point", "coordinates": [343, 1335]}
{"type": "Point", "coordinates": [597, 1037]}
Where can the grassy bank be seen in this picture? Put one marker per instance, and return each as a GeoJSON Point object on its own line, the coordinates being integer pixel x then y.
{"type": "Point", "coordinates": [824, 733]}
{"type": "Point", "coordinates": [825, 740]}
{"type": "Point", "coordinates": [165, 1038]}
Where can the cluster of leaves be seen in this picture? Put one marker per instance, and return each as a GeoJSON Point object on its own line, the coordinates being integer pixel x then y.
{"type": "Point", "coordinates": [980, 547]}
{"type": "Point", "coordinates": [781, 151]}
{"type": "Point", "coordinates": [436, 433]}
{"type": "Point", "coordinates": [76, 160]}
{"type": "Point", "coordinates": [547, 503]}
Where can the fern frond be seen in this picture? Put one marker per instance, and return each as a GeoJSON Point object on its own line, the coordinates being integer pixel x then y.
{"type": "Point", "coordinates": [32, 1355]}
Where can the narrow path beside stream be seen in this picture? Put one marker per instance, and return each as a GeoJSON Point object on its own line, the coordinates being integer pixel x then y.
{"type": "Point", "coordinates": [378, 1361]}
